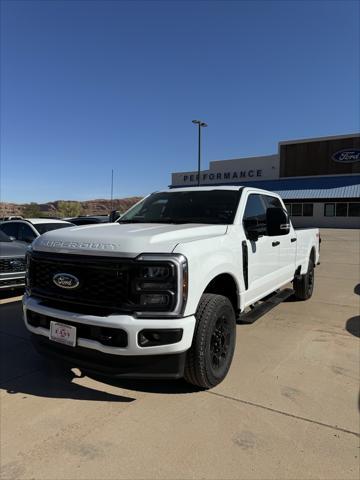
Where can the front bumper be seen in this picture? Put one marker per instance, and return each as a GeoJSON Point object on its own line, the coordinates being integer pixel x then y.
{"type": "Point", "coordinates": [96, 355]}
{"type": "Point", "coordinates": [168, 366]}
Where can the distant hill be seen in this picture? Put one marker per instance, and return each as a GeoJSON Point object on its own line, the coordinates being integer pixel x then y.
{"type": "Point", "coordinates": [88, 207]}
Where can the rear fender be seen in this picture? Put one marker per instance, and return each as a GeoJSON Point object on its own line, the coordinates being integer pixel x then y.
{"type": "Point", "coordinates": [305, 264]}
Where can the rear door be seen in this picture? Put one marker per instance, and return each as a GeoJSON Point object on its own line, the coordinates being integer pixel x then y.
{"type": "Point", "coordinates": [286, 246]}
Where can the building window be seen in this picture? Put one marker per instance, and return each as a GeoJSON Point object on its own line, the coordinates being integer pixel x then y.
{"type": "Point", "coordinates": [354, 209]}
{"type": "Point", "coordinates": [341, 209]}
{"type": "Point", "coordinates": [308, 209]}
{"type": "Point", "coordinates": [300, 209]}
{"type": "Point", "coordinates": [329, 209]}
{"type": "Point", "coordinates": [296, 210]}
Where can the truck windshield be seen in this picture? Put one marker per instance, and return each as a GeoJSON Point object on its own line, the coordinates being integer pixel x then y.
{"type": "Point", "coordinates": [206, 206]}
{"type": "Point", "coordinates": [47, 227]}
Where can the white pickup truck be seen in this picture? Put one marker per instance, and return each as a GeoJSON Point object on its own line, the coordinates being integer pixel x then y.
{"type": "Point", "coordinates": [158, 293]}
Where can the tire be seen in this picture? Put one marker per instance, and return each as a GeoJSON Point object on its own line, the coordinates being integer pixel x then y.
{"type": "Point", "coordinates": [304, 285]}
{"type": "Point", "coordinates": [210, 356]}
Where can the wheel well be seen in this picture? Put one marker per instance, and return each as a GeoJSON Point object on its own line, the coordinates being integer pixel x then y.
{"type": "Point", "coordinates": [311, 257]}
{"type": "Point", "coordinates": [225, 285]}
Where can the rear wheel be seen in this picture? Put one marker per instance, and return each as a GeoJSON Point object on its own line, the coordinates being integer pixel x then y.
{"type": "Point", "coordinates": [210, 356]}
{"type": "Point", "coordinates": [304, 284]}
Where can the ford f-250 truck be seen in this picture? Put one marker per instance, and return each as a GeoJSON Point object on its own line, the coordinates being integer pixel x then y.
{"type": "Point", "coordinates": [158, 293]}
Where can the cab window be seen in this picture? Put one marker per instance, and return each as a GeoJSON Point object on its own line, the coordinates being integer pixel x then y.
{"type": "Point", "coordinates": [255, 212]}
{"type": "Point", "coordinates": [272, 202]}
{"type": "Point", "coordinates": [11, 229]}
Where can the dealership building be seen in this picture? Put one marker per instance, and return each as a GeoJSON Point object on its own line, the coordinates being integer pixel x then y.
{"type": "Point", "coordinates": [318, 179]}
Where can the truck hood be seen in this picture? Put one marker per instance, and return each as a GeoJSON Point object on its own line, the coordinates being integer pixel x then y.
{"type": "Point", "coordinates": [12, 249]}
{"type": "Point", "coordinates": [124, 239]}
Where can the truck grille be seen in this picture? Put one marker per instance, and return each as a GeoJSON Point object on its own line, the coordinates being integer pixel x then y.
{"type": "Point", "coordinates": [103, 281]}
{"type": "Point", "coordinates": [10, 265]}
{"type": "Point", "coordinates": [17, 282]}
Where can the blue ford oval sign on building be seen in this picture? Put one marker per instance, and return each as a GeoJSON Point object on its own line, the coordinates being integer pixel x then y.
{"type": "Point", "coordinates": [347, 156]}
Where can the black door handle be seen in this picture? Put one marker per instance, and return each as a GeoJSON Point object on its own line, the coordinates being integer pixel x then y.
{"type": "Point", "coordinates": [275, 244]}
{"type": "Point", "coordinates": [293, 240]}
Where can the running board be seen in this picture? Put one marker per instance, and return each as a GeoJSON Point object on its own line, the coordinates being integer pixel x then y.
{"type": "Point", "coordinates": [265, 306]}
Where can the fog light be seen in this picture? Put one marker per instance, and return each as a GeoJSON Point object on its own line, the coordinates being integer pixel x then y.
{"type": "Point", "coordinates": [154, 299]}
{"type": "Point", "coordinates": [151, 338]}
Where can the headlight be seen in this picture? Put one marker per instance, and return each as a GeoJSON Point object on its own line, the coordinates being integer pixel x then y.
{"type": "Point", "coordinates": [155, 277]}
{"type": "Point", "coordinates": [160, 284]}
{"type": "Point", "coordinates": [155, 272]}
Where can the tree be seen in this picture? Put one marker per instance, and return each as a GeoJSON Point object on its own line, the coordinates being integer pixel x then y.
{"type": "Point", "coordinates": [31, 210]}
{"type": "Point", "coordinates": [69, 209]}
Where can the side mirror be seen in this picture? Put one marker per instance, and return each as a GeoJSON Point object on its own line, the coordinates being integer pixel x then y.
{"type": "Point", "coordinates": [277, 222]}
{"type": "Point", "coordinates": [253, 232]}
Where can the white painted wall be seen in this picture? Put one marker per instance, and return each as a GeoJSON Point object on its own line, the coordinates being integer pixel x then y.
{"type": "Point", "coordinates": [230, 171]}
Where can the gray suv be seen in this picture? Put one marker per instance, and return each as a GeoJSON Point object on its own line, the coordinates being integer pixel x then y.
{"type": "Point", "coordinates": [12, 263]}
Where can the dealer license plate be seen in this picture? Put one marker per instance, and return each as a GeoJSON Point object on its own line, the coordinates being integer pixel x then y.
{"type": "Point", "coordinates": [62, 333]}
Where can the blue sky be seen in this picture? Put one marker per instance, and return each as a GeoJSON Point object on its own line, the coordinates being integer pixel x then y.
{"type": "Point", "coordinates": [87, 86]}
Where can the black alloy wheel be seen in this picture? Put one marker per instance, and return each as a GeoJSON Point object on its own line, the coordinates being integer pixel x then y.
{"type": "Point", "coordinates": [220, 343]}
{"type": "Point", "coordinates": [210, 356]}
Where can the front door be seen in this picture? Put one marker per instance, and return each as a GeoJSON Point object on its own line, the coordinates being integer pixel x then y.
{"type": "Point", "coordinates": [263, 254]}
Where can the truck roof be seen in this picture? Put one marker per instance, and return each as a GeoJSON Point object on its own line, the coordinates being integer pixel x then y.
{"type": "Point", "coordinates": [220, 187]}
{"type": "Point", "coordinates": [207, 187]}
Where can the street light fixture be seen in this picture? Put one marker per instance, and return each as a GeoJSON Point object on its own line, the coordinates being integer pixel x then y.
{"type": "Point", "coordinates": [200, 124]}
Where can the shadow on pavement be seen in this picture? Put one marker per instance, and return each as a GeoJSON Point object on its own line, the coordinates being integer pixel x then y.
{"type": "Point", "coordinates": [353, 326]}
{"type": "Point", "coordinates": [150, 386]}
{"type": "Point", "coordinates": [57, 382]}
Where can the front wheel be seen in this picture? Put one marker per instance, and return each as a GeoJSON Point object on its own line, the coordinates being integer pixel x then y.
{"type": "Point", "coordinates": [210, 356]}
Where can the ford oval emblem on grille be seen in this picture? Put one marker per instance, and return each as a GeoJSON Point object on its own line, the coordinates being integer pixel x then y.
{"type": "Point", "coordinates": [65, 280]}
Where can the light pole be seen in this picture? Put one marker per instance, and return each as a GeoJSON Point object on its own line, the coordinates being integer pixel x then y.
{"type": "Point", "coordinates": [200, 124]}
{"type": "Point", "coordinates": [112, 189]}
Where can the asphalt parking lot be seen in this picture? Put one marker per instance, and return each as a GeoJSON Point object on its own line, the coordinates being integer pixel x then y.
{"type": "Point", "coordinates": [289, 407]}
